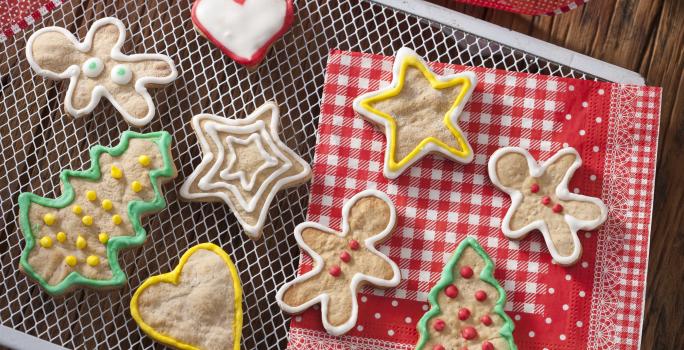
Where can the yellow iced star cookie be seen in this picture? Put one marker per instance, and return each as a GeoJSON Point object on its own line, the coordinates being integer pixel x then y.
{"type": "Point", "coordinates": [419, 111]}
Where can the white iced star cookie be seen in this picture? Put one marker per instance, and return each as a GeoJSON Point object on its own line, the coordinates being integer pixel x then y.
{"type": "Point", "coordinates": [96, 68]}
{"type": "Point", "coordinates": [419, 112]}
{"type": "Point", "coordinates": [540, 200]}
{"type": "Point", "coordinates": [244, 164]}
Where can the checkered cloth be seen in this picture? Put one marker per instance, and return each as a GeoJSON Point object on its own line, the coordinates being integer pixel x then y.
{"type": "Point", "coordinates": [17, 15]}
{"type": "Point", "coordinates": [530, 7]}
{"type": "Point", "coordinates": [596, 304]}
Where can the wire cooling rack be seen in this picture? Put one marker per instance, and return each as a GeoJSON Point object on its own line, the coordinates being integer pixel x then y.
{"type": "Point", "coordinates": [38, 140]}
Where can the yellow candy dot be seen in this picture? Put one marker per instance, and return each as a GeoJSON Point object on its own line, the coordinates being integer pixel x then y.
{"type": "Point", "coordinates": [107, 205]}
{"type": "Point", "coordinates": [76, 209]}
{"type": "Point", "coordinates": [49, 219]}
{"type": "Point", "coordinates": [116, 172]}
{"type": "Point", "coordinates": [61, 237]}
{"type": "Point", "coordinates": [104, 238]}
{"type": "Point", "coordinates": [87, 220]}
{"type": "Point", "coordinates": [71, 260]}
{"type": "Point", "coordinates": [81, 242]}
{"type": "Point", "coordinates": [91, 195]}
{"type": "Point", "coordinates": [144, 160]}
{"type": "Point", "coordinates": [46, 242]}
{"type": "Point", "coordinates": [116, 219]}
{"type": "Point", "coordinates": [136, 186]}
{"type": "Point", "coordinates": [93, 260]}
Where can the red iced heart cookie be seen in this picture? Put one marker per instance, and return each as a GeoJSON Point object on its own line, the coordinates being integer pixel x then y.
{"type": "Point", "coordinates": [243, 29]}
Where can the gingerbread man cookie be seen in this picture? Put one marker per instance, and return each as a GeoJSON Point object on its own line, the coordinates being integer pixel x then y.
{"type": "Point", "coordinates": [96, 68]}
{"type": "Point", "coordinates": [244, 165]}
{"type": "Point", "coordinates": [74, 240]}
{"type": "Point", "coordinates": [419, 112]}
{"type": "Point", "coordinates": [467, 306]}
{"type": "Point", "coordinates": [198, 305]}
{"type": "Point", "coordinates": [343, 262]}
{"type": "Point", "coordinates": [540, 200]}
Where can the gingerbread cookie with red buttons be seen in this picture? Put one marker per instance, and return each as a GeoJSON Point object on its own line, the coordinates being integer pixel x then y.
{"type": "Point", "coordinates": [343, 262]}
{"type": "Point", "coordinates": [540, 200]}
{"type": "Point", "coordinates": [466, 306]}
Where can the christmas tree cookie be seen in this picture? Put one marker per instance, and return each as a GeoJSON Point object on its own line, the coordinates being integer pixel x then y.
{"type": "Point", "coordinates": [74, 240]}
{"type": "Point", "coordinates": [466, 306]}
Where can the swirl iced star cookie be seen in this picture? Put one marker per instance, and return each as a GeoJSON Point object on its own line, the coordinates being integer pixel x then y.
{"type": "Point", "coordinates": [540, 200]}
{"type": "Point", "coordinates": [198, 305]}
{"type": "Point", "coordinates": [74, 240]}
{"type": "Point", "coordinates": [96, 68]}
{"type": "Point", "coordinates": [419, 113]}
{"type": "Point", "coordinates": [244, 165]}
{"type": "Point", "coordinates": [343, 262]}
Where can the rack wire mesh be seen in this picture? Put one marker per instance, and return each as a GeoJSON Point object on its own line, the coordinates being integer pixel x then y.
{"type": "Point", "coordinates": [38, 140]}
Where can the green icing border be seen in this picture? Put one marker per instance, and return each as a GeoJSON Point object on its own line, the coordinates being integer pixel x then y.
{"type": "Point", "coordinates": [448, 277]}
{"type": "Point", "coordinates": [135, 209]}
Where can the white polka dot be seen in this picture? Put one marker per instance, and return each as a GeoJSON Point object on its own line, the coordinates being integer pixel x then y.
{"type": "Point", "coordinates": [601, 91]}
{"type": "Point", "coordinates": [364, 299]}
{"type": "Point", "coordinates": [568, 277]}
{"type": "Point", "coordinates": [582, 132]}
{"type": "Point", "coordinates": [545, 349]}
{"type": "Point", "coordinates": [585, 264]}
{"type": "Point", "coordinates": [585, 104]}
{"type": "Point", "coordinates": [377, 315]}
{"type": "Point", "coordinates": [562, 337]}
{"type": "Point", "coordinates": [571, 88]}
{"type": "Point", "coordinates": [599, 120]}
{"type": "Point", "coordinates": [395, 303]}
{"type": "Point", "coordinates": [565, 144]}
{"type": "Point", "coordinates": [517, 317]}
{"type": "Point", "coordinates": [425, 307]}
{"type": "Point", "coordinates": [408, 320]}
{"type": "Point", "coordinates": [568, 116]}
{"type": "Point", "coordinates": [580, 324]}
{"type": "Point", "coordinates": [582, 294]}
{"type": "Point", "coordinates": [298, 318]}
{"type": "Point", "coordinates": [548, 320]}
{"type": "Point", "coordinates": [390, 332]}
{"type": "Point", "coordinates": [587, 234]}
{"type": "Point", "coordinates": [359, 328]}
{"type": "Point", "coordinates": [595, 148]}
{"type": "Point", "coordinates": [566, 307]}
{"type": "Point", "coordinates": [531, 334]}
{"type": "Point", "coordinates": [592, 177]}
{"type": "Point", "coordinates": [551, 290]}
{"type": "Point", "coordinates": [553, 262]}
{"type": "Point", "coordinates": [576, 190]}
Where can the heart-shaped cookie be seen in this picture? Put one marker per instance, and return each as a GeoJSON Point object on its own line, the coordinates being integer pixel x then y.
{"type": "Point", "coordinates": [198, 305]}
{"type": "Point", "coordinates": [243, 29]}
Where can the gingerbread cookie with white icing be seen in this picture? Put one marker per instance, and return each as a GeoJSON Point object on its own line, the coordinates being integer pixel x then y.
{"type": "Point", "coordinates": [97, 68]}
{"type": "Point", "coordinates": [343, 262]}
{"type": "Point", "coordinates": [540, 200]}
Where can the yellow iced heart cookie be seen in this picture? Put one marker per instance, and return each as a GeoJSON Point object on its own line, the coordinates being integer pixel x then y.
{"type": "Point", "coordinates": [198, 305]}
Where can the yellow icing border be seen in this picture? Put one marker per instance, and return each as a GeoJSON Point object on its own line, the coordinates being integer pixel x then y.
{"type": "Point", "coordinates": [173, 277]}
{"type": "Point", "coordinates": [413, 61]}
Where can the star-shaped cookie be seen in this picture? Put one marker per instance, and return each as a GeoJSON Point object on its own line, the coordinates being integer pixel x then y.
{"type": "Point", "coordinates": [419, 111]}
{"type": "Point", "coordinates": [244, 165]}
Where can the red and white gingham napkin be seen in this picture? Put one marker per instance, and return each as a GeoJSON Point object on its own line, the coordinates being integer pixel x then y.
{"type": "Point", "coordinates": [596, 304]}
{"type": "Point", "coordinates": [530, 7]}
{"type": "Point", "coordinates": [17, 15]}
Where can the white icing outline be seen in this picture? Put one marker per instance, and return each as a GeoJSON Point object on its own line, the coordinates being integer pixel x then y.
{"type": "Point", "coordinates": [269, 161]}
{"type": "Point", "coordinates": [248, 125]}
{"type": "Point", "coordinates": [402, 54]}
{"type": "Point", "coordinates": [72, 72]}
{"type": "Point", "coordinates": [357, 279]}
{"type": "Point", "coordinates": [562, 192]}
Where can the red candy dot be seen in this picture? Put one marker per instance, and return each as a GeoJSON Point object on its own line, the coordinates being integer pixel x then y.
{"type": "Point", "coordinates": [480, 295]}
{"type": "Point", "coordinates": [438, 347]}
{"type": "Point", "coordinates": [487, 346]}
{"type": "Point", "coordinates": [557, 208]}
{"type": "Point", "coordinates": [486, 320]}
{"type": "Point", "coordinates": [346, 257]}
{"type": "Point", "coordinates": [354, 244]}
{"type": "Point", "coordinates": [546, 200]}
{"type": "Point", "coordinates": [469, 333]}
{"type": "Point", "coordinates": [534, 188]}
{"type": "Point", "coordinates": [335, 271]}
{"type": "Point", "coordinates": [463, 314]}
{"type": "Point", "coordinates": [466, 272]}
{"type": "Point", "coordinates": [451, 291]}
{"type": "Point", "coordinates": [439, 325]}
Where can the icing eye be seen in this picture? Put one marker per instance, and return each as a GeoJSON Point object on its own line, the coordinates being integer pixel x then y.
{"type": "Point", "coordinates": [121, 74]}
{"type": "Point", "coordinates": [92, 67]}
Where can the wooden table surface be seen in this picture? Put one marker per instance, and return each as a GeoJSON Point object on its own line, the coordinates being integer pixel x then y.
{"type": "Point", "coordinates": [646, 36]}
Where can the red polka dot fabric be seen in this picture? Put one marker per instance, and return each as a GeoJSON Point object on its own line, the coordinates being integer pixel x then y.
{"type": "Point", "coordinates": [529, 7]}
{"type": "Point", "coordinates": [16, 15]}
{"type": "Point", "coordinates": [595, 304]}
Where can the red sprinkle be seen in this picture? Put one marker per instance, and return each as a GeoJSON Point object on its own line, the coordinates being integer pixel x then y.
{"type": "Point", "coordinates": [469, 333]}
{"type": "Point", "coordinates": [466, 272]}
{"type": "Point", "coordinates": [354, 244]}
{"type": "Point", "coordinates": [438, 347]}
{"type": "Point", "coordinates": [557, 208]}
{"type": "Point", "coordinates": [463, 314]}
{"type": "Point", "coordinates": [546, 200]}
{"type": "Point", "coordinates": [335, 271]}
{"type": "Point", "coordinates": [439, 325]}
{"type": "Point", "coordinates": [486, 320]}
{"type": "Point", "coordinates": [451, 291]}
{"type": "Point", "coordinates": [346, 257]}
{"type": "Point", "coordinates": [487, 346]}
{"type": "Point", "coordinates": [480, 295]}
{"type": "Point", "coordinates": [534, 188]}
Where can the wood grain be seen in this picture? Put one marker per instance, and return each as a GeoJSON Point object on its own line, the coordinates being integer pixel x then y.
{"type": "Point", "coordinates": [646, 36]}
